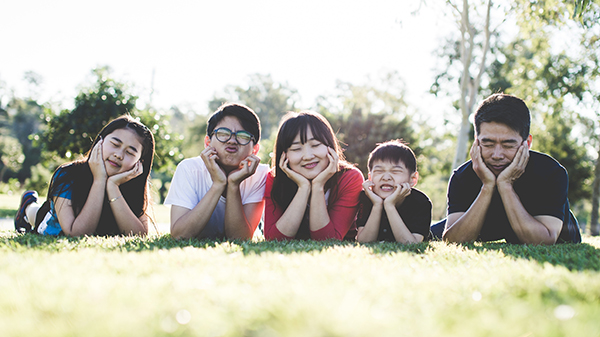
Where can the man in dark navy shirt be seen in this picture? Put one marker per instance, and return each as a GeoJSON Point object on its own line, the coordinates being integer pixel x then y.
{"type": "Point", "coordinates": [507, 191]}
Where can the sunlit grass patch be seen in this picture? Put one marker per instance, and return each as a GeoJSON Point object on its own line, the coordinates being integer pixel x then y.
{"type": "Point", "coordinates": [130, 286]}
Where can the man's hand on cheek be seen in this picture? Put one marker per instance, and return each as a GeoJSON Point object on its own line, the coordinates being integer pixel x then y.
{"type": "Point", "coordinates": [246, 169]}
{"type": "Point", "coordinates": [516, 169]}
{"type": "Point", "coordinates": [486, 175]}
{"type": "Point", "coordinates": [209, 157]}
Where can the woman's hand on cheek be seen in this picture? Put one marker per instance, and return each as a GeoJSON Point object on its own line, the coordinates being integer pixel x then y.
{"type": "Point", "coordinates": [330, 170]}
{"type": "Point", "coordinates": [296, 177]}
{"type": "Point", "coordinates": [123, 177]}
{"type": "Point", "coordinates": [96, 161]}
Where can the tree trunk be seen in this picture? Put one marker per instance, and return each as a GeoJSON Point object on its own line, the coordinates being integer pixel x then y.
{"type": "Point", "coordinates": [461, 146]}
{"type": "Point", "coordinates": [469, 84]}
{"type": "Point", "coordinates": [594, 226]}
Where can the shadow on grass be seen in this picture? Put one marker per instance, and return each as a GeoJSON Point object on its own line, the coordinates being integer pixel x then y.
{"type": "Point", "coordinates": [573, 256]}
{"type": "Point", "coordinates": [7, 213]}
{"type": "Point", "coordinates": [16, 242]}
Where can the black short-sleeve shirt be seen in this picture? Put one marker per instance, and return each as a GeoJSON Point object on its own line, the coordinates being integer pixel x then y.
{"type": "Point", "coordinates": [415, 211]}
{"type": "Point", "coordinates": [542, 189]}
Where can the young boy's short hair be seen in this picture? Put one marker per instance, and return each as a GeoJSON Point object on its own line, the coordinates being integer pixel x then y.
{"type": "Point", "coordinates": [394, 151]}
{"type": "Point", "coordinates": [244, 114]}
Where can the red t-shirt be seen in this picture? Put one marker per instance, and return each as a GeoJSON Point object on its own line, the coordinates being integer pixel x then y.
{"type": "Point", "coordinates": [342, 211]}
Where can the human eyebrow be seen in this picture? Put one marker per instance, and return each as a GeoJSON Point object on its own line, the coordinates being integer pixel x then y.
{"type": "Point", "coordinates": [132, 148]}
{"type": "Point", "coordinates": [118, 140]}
{"type": "Point", "coordinates": [509, 141]}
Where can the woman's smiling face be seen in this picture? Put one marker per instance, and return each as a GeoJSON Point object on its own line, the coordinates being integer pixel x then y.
{"type": "Point", "coordinates": [121, 149]}
{"type": "Point", "coordinates": [308, 159]}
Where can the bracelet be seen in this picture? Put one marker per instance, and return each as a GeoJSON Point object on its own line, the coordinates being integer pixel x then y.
{"type": "Point", "coordinates": [114, 199]}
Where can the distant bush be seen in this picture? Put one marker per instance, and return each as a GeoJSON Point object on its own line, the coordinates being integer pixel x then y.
{"type": "Point", "coordinates": [10, 187]}
{"type": "Point", "coordinates": [40, 177]}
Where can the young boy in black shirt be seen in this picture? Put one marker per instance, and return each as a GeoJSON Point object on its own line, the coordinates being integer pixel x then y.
{"type": "Point", "coordinates": [391, 208]}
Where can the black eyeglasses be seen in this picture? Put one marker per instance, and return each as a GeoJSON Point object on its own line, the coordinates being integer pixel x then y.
{"type": "Point", "coordinates": [241, 137]}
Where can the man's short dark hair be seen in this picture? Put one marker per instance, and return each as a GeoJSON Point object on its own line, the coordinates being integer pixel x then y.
{"type": "Point", "coordinates": [244, 114]}
{"type": "Point", "coordinates": [505, 109]}
{"type": "Point", "coordinates": [393, 151]}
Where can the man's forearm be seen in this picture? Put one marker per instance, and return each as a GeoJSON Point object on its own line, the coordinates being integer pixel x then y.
{"type": "Point", "coordinates": [192, 223]}
{"type": "Point", "coordinates": [466, 227]}
{"type": "Point", "coordinates": [237, 225]}
{"type": "Point", "coordinates": [526, 227]}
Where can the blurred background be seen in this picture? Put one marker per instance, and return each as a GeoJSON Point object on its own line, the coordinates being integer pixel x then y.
{"type": "Point", "coordinates": [381, 70]}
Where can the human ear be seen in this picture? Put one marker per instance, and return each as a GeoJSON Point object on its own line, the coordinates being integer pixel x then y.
{"type": "Point", "coordinates": [206, 141]}
{"type": "Point", "coordinates": [414, 178]}
{"type": "Point", "coordinates": [255, 149]}
{"type": "Point", "coordinates": [529, 141]}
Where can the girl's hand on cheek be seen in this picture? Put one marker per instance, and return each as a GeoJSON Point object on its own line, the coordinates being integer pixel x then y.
{"type": "Point", "coordinates": [96, 161]}
{"type": "Point", "coordinates": [123, 177]}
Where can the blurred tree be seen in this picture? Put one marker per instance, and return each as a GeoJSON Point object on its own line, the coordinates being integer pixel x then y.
{"type": "Point", "coordinates": [11, 155]}
{"type": "Point", "coordinates": [365, 115]}
{"type": "Point", "coordinates": [167, 147]}
{"type": "Point", "coordinates": [192, 129]}
{"type": "Point", "coordinates": [585, 9]}
{"type": "Point", "coordinates": [26, 121]}
{"type": "Point", "coordinates": [470, 50]}
{"type": "Point", "coordinates": [71, 132]}
{"type": "Point", "coordinates": [553, 82]}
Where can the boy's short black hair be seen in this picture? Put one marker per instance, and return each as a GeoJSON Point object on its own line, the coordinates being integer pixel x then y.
{"type": "Point", "coordinates": [244, 114]}
{"type": "Point", "coordinates": [394, 151]}
{"type": "Point", "coordinates": [505, 109]}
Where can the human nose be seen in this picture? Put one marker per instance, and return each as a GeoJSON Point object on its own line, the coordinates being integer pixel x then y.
{"type": "Point", "coordinates": [118, 154]}
{"type": "Point", "coordinates": [307, 154]}
{"type": "Point", "coordinates": [498, 152]}
{"type": "Point", "coordinates": [232, 139]}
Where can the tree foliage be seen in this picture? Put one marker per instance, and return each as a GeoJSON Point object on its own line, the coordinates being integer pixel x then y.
{"type": "Point", "coordinates": [365, 115]}
{"type": "Point", "coordinates": [269, 99]}
{"type": "Point", "coordinates": [26, 122]}
{"type": "Point", "coordinates": [11, 155]}
{"type": "Point", "coordinates": [550, 80]}
{"type": "Point", "coordinates": [71, 132]}
{"type": "Point", "coordinates": [466, 52]}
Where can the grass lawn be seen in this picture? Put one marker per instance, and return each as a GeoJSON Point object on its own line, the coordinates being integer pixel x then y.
{"type": "Point", "coordinates": [157, 286]}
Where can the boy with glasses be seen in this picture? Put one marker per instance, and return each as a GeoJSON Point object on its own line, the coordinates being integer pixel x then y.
{"type": "Point", "coordinates": [220, 193]}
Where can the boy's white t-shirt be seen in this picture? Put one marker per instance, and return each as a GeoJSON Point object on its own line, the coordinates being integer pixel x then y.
{"type": "Point", "coordinates": [192, 181]}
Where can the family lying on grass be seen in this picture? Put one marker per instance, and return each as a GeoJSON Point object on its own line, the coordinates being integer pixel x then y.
{"type": "Point", "coordinates": [506, 191]}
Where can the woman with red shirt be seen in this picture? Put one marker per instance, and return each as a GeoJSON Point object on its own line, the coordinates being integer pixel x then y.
{"type": "Point", "coordinates": [311, 191]}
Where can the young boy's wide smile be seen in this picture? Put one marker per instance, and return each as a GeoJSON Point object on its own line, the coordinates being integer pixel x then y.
{"type": "Point", "coordinates": [387, 175]}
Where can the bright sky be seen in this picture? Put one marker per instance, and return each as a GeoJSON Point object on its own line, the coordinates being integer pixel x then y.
{"type": "Point", "coordinates": [196, 48]}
